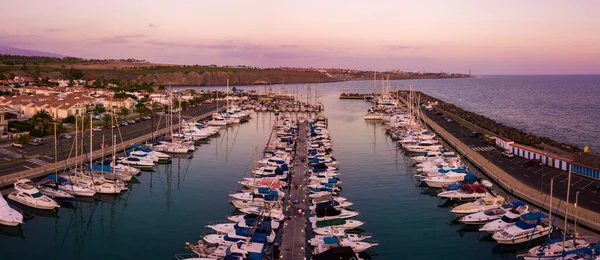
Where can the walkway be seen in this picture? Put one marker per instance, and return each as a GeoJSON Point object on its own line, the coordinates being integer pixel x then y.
{"type": "Point", "coordinates": [293, 244]}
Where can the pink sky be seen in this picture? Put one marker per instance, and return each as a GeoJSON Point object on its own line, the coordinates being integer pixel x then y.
{"type": "Point", "coordinates": [489, 37]}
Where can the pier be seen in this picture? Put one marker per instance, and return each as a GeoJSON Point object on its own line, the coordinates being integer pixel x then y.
{"type": "Point", "coordinates": [505, 179]}
{"type": "Point", "coordinates": [9, 179]}
{"type": "Point", "coordinates": [293, 243]}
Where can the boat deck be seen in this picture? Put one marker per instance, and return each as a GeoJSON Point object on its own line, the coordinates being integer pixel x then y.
{"type": "Point", "coordinates": [293, 243]}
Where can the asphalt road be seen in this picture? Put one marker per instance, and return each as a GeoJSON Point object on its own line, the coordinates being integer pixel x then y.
{"type": "Point", "coordinates": [537, 177]}
{"type": "Point", "coordinates": [38, 156]}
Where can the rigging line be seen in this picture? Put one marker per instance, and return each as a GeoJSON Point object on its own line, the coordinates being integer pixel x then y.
{"type": "Point", "coordinates": [89, 220]}
{"type": "Point", "coordinates": [234, 138]}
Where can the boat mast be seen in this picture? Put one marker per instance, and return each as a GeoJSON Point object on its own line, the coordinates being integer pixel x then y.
{"type": "Point", "coordinates": [55, 155]}
{"type": "Point", "coordinates": [550, 204]}
{"type": "Point", "coordinates": [576, 215]}
{"type": "Point", "coordinates": [114, 157]}
{"type": "Point", "coordinates": [567, 209]}
{"type": "Point", "coordinates": [91, 145]}
{"type": "Point", "coordinates": [76, 143]}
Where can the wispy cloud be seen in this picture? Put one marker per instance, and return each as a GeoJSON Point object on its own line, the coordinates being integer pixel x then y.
{"type": "Point", "coordinates": [289, 46]}
{"type": "Point", "coordinates": [9, 39]}
{"type": "Point", "coordinates": [398, 47]}
{"type": "Point", "coordinates": [169, 44]}
{"type": "Point", "coordinates": [151, 25]}
{"type": "Point", "coordinates": [55, 30]}
{"type": "Point", "coordinates": [119, 39]}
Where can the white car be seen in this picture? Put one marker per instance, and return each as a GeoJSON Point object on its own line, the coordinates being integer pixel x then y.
{"type": "Point", "coordinates": [18, 145]}
{"type": "Point", "coordinates": [97, 128]}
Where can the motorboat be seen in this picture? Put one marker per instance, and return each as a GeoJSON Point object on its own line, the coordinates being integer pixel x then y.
{"type": "Point", "coordinates": [486, 216]}
{"type": "Point", "coordinates": [482, 204]}
{"type": "Point", "coordinates": [275, 213]}
{"type": "Point", "coordinates": [445, 179]}
{"type": "Point", "coordinates": [325, 243]}
{"type": "Point", "coordinates": [465, 193]}
{"type": "Point", "coordinates": [330, 212]}
{"type": "Point", "coordinates": [27, 194]}
{"type": "Point", "coordinates": [530, 226]}
{"type": "Point", "coordinates": [9, 216]}
{"type": "Point", "coordinates": [137, 162]}
{"type": "Point", "coordinates": [240, 234]}
{"type": "Point", "coordinates": [54, 192]}
{"type": "Point", "coordinates": [508, 219]}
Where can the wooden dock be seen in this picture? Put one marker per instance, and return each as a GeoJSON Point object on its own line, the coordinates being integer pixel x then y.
{"type": "Point", "coordinates": [293, 243]}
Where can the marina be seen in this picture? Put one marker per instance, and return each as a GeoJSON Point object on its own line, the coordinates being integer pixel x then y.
{"type": "Point", "coordinates": [224, 160]}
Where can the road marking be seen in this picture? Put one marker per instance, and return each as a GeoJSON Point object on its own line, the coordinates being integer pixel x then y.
{"type": "Point", "coordinates": [38, 162]}
{"type": "Point", "coordinates": [591, 182]}
{"type": "Point", "coordinates": [48, 157]}
{"type": "Point", "coordinates": [595, 201]}
{"type": "Point", "coordinates": [526, 175]}
{"type": "Point", "coordinates": [572, 184]}
{"type": "Point", "coordinates": [566, 178]}
{"type": "Point", "coordinates": [541, 169]}
{"type": "Point", "coordinates": [512, 167]}
{"type": "Point", "coordinates": [26, 166]}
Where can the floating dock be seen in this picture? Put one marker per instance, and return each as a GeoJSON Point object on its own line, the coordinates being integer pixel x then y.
{"type": "Point", "coordinates": [293, 243]}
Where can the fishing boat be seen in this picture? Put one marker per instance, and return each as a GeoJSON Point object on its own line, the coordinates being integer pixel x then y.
{"type": "Point", "coordinates": [9, 216]}
{"type": "Point", "coordinates": [530, 226]}
{"type": "Point", "coordinates": [27, 194]}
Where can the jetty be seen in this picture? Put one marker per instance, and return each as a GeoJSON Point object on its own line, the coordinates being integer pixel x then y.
{"type": "Point", "coordinates": [9, 179]}
{"type": "Point", "coordinates": [506, 179]}
{"type": "Point", "coordinates": [293, 243]}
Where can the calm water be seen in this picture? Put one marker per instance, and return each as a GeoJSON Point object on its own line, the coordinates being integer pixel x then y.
{"type": "Point", "coordinates": [562, 107]}
{"type": "Point", "coordinates": [172, 205]}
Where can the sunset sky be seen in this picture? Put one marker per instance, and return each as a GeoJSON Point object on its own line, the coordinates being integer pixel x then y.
{"type": "Point", "coordinates": [489, 37]}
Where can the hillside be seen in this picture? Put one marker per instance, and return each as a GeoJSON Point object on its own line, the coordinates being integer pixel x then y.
{"type": "Point", "coordinates": [190, 75]}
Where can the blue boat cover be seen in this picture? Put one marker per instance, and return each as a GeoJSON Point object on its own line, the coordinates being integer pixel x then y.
{"type": "Point", "coordinates": [517, 203]}
{"type": "Point", "coordinates": [54, 177]}
{"type": "Point", "coordinates": [328, 185]}
{"type": "Point", "coordinates": [264, 190]}
{"type": "Point", "coordinates": [279, 171]}
{"type": "Point", "coordinates": [102, 168]}
{"type": "Point", "coordinates": [470, 177]}
{"type": "Point", "coordinates": [331, 240]}
{"type": "Point", "coordinates": [285, 167]}
{"type": "Point", "coordinates": [332, 180]}
{"type": "Point", "coordinates": [259, 237]}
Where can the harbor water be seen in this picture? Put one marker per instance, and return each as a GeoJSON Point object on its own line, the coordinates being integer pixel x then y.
{"type": "Point", "coordinates": [166, 208]}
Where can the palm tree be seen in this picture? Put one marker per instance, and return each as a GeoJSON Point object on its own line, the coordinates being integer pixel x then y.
{"type": "Point", "coordinates": [23, 140]}
{"type": "Point", "coordinates": [124, 111]}
{"type": "Point", "coordinates": [140, 108]}
{"type": "Point", "coordinates": [42, 118]}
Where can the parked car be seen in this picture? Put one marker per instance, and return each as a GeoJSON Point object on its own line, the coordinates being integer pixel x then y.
{"type": "Point", "coordinates": [97, 129]}
{"type": "Point", "coordinates": [597, 185]}
{"type": "Point", "coordinates": [18, 145]}
{"type": "Point", "coordinates": [533, 162]}
{"type": "Point", "coordinates": [131, 121]}
{"type": "Point", "coordinates": [38, 140]}
{"type": "Point", "coordinates": [123, 123]}
{"type": "Point", "coordinates": [66, 136]}
{"type": "Point", "coordinates": [508, 154]}
{"type": "Point", "coordinates": [449, 120]}
{"type": "Point", "coordinates": [475, 134]}
{"type": "Point", "coordinates": [34, 143]}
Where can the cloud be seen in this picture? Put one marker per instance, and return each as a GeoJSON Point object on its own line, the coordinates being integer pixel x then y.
{"type": "Point", "coordinates": [151, 25]}
{"type": "Point", "coordinates": [119, 39]}
{"type": "Point", "coordinates": [289, 46]}
{"type": "Point", "coordinates": [55, 30]}
{"type": "Point", "coordinates": [15, 40]}
{"type": "Point", "coordinates": [167, 44]}
{"type": "Point", "coordinates": [398, 47]}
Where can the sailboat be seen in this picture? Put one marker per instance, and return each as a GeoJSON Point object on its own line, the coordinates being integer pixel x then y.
{"type": "Point", "coordinates": [53, 191]}
{"type": "Point", "coordinates": [553, 249]}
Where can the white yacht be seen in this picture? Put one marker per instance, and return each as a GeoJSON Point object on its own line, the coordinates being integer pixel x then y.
{"type": "Point", "coordinates": [510, 218]}
{"type": "Point", "coordinates": [324, 244]}
{"type": "Point", "coordinates": [489, 215]}
{"type": "Point", "coordinates": [555, 249]}
{"type": "Point", "coordinates": [482, 204]}
{"type": "Point", "coordinates": [9, 216]}
{"type": "Point", "coordinates": [445, 179]}
{"type": "Point", "coordinates": [465, 193]}
{"type": "Point", "coordinates": [529, 227]}
{"type": "Point", "coordinates": [138, 162]}
{"type": "Point", "coordinates": [27, 194]}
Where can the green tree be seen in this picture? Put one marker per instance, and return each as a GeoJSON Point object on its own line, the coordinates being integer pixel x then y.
{"type": "Point", "coordinates": [107, 120]}
{"type": "Point", "coordinates": [141, 108]}
{"type": "Point", "coordinates": [234, 89]}
{"type": "Point", "coordinates": [23, 140]}
{"type": "Point", "coordinates": [124, 111]}
{"type": "Point", "coordinates": [99, 109]}
{"type": "Point", "coordinates": [43, 119]}
{"type": "Point", "coordinates": [70, 119]}
{"type": "Point", "coordinates": [161, 87]}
